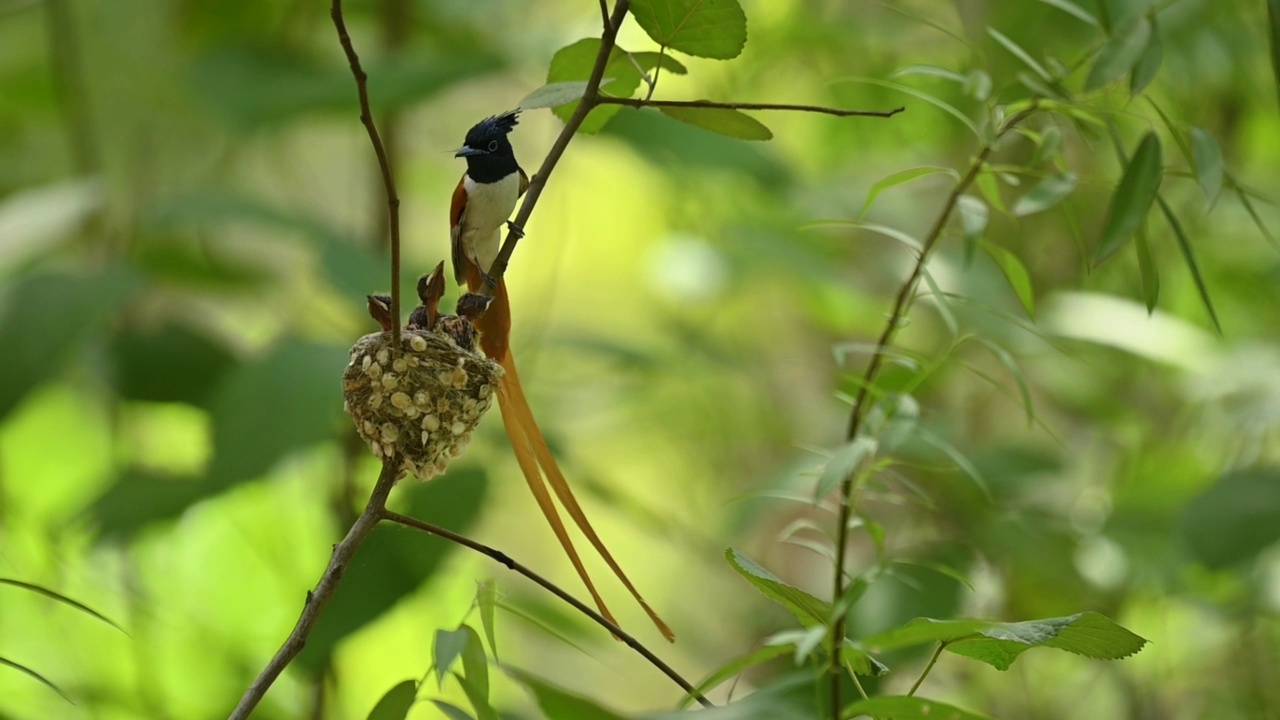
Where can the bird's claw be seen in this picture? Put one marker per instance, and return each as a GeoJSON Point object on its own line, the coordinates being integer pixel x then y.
{"type": "Point", "coordinates": [515, 229]}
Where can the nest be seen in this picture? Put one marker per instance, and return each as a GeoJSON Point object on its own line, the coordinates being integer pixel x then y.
{"type": "Point", "coordinates": [418, 404]}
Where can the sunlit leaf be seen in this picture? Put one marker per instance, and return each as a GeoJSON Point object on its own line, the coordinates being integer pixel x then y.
{"type": "Point", "coordinates": [1016, 273]}
{"type": "Point", "coordinates": [990, 190]}
{"type": "Point", "coordinates": [1144, 71]}
{"type": "Point", "coordinates": [1188, 256]}
{"type": "Point", "coordinates": [1208, 163]}
{"type": "Point", "coordinates": [1132, 197]}
{"type": "Point", "coordinates": [730, 123]}
{"type": "Point", "coordinates": [805, 607]}
{"type": "Point", "coordinates": [703, 28]}
{"type": "Point", "coordinates": [1147, 268]}
{"type": "Point", "coordinates": [35, 676]}
{"type": "Point", "coordinates": [1120, 53]}
{"type": "Point", "coordinates": [557, 703]}
{"type": "Point", "coordinates": [1235, 518]}
{"type": "Point", "coordinates": [900, 177]}
{"type": "Point", "coordinates": [59, 597]}
{"type": "Point", "coordinates": [37, 221]}
{"type": "Point", "coordinates": [396, 703]}
{"type": "Point", "coordinates": [903, 707]}
{"type": "Point", "coordinates": [930, 71]}
{"type": "Point", "coordinates": [1047, 193]}
{"type": "Point", "coordinates": [1016, 50]}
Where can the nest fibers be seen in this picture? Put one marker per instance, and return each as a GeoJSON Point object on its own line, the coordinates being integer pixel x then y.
{"type": "Point", "coordinates": [417, 405]}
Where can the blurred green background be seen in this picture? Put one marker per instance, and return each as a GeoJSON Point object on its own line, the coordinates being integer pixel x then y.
{"type": "Point", "coordinates": [190, 216]}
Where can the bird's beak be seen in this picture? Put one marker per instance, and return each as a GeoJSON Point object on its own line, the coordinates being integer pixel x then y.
{"type": "Point", "coordinates": [467, 151]}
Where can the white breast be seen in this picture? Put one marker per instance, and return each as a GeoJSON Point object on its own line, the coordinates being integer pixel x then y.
{"type": "Point", "coordinates": [488, 207]}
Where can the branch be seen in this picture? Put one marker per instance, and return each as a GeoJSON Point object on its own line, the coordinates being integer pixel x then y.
{"type": "Point", "coordinates": [838, 112]}
{"type": "Point", "coordinates": [505, 560]}
{"type": "Point", "coordinates": [316, 599]}
{"type": "Point", "coordinates": [384, 163]}
{"type": "Point", "coordinates": [590, 99]}
{"type": "Point", "coordinates": [858, 413]}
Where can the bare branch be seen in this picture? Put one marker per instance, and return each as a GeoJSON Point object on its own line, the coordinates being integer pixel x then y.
{"type": "Point", "coordinates": [838, 112]}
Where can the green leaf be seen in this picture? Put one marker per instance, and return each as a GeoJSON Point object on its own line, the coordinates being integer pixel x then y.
{"type": "Point", "coordinates": [932, 100]}
{"type": "Point", "coordinates": [452, 712]}
{"type": "Point", "coordinates": [35, 676]}
{"type": "Point", "coordinates": [904, 707]}
{"type": "Point", "coordinates": [173, 363]}
{"type": "Point", "coordinates": [560, 704]}
{"type": "Point", "coordinates": [845, 463]}
{"type": "Point", "coordinates": [474, 663]}
{"type": "Point", "coordinates": [553, 94]}
{"type": "Point", "coordinates": [140, 497]}
{"type": "Point", "coordinates": [1147, 268]}
{"type": "Point", "coordinates": [973, 222]}
{"type": "Point", "coordinates": [990, 189]}
{"type": "Point", "coordinates": [59, 597]}
{"type": "Point", "coordinates": [649, 60]}
{"type": "Point", "coordinates": [1132, 198]}
{"type": "Point", "coordinates": [1120, 53]}
{"type": "Point", "coordinates": [735, 667]}
{"type": "Point", "coordinates": [445, 650]}
{"type": "Point", "coordinates": [1208, 163]}
{"type": "Point", "coordinates": [1016, 273]}
{"type": "Point", "coordinates": [722, 121]}
{"type": "Point", "coordinates": [999, 644]}
{"type": "Point", "coordinates": [396, 703]}
{"type": "Point", "coordinates": [1048, 147]}
{"type": "Point", "coordinates": [487, 600]}
{"type": "Point", "coordinates": [47, 319]}
{"type": "Point", "coordinates": [703, 28]}
{"type": "Point", "coordinates": [1047, 193]}
{"type": "Point", "coordinates": [900, 177]}
{"type": "Point", "coordinates": [1253, 213]}
{"type": "Point", "coordinates": [1188, 255]}
{"type": "Point", "coordinates": [1006, 359]}
{"type": "Point", "coordinates": [1021, 54]}
{"type": "Point", "coordinates": [1235, 519]}
{"type": "Point", "coordinates": [1273, 14]}
{"type": "Point", "coordinates": [282, 402]}
{"type": "Point", "coordinates": [573, 64]}
{"type": "Point", "coordinates": [808, 609]}
{"type": "Point", "coordinates": [479, 698]}
{"type": "Point", "coordinates": [1074, 11]}
{"type": "Point", "coordinates": [1144, 71]}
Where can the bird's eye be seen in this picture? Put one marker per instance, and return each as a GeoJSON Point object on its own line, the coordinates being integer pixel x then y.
{"type": "Point", "coordinates": [493, 145]}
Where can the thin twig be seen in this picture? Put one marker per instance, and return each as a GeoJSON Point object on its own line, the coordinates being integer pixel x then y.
{"type": "Point", "coordinates": [858, 413]}
{"type": "Point", "coordinates": [604, 14]}
{"type": "Point", "coordinates": [838, 112]}
{"type": "Point", "coordinates": [590, 99]}
{"type": "Point", "coordinates": [932, 660]}
{"type": "Point", "coordinates": [506, 561]}
{"type": "Point", "coordinates": [316, 599]}
{"type": "Point", "coordinates": [384, 163]}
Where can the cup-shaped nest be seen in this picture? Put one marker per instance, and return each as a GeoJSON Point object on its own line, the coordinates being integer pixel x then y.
{"type": "Point", "coordinates": [417, 405]}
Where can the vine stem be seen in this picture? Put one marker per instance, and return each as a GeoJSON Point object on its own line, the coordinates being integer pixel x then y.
{"type": "Point", "coordinates": [925, 673]}
{"type": "Point", "coordinates": [838, 112]}
{"type": "Point", "coordinates": [858, 413]}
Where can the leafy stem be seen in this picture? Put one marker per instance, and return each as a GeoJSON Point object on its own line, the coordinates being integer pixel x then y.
{"type": "Point", "coordinates": [925, 673]}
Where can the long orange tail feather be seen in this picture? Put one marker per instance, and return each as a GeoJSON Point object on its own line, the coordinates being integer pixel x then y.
{"type": "Point", "coordinates": [532, 453]}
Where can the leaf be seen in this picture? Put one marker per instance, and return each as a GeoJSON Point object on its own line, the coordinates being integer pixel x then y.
{"type": "Point", "coordinates": [1132, 198]}
{"type": "Point", "coordinates": [1011, 365]}
{"type": "Point", "coordinates": [573, 63]}
{"type": "Point", "coordinates": [445, 650]}
{"type": "Point", "coordinates": [990, 190]}
{"type": "Point", "coordinates": [479, 701]}
{"type": "Point", "coordinates": [1273, 14]}
{"type": "Point", "coordinates": [900, 177]}
{"type": "Point", "coordinates": [973, 222]}
{"type": "Point", "coordinates": [932, 100]}
{"type": "Point", "coordinates": [59, 597]}
{"type": "Point", "coordinates": [1208, 163]}
{"type": "Point", "coordinates": [722, 121]}
{"type": "Point", "coordinates": [36, 676]}
{"type": "Point", "coordinates": [1188, 255]}
{"type": "Point", "coordinates": [703, 28]}
{"type": "Point", "coordinates": [474, 663]}
{"type": "Point", "coordinates": [734, 668]}
{"type": "Point", "coordinates": [140, 497]}
{"type": "Point", "coordinates": [47, 318]}
{"type": "Point", "coordinates": [649, 60]}
{"type": "Point", "coordinates": [553, 94]}
{"type": "Point", "coordinates": [1047, 193]}
{"type": "Point", "coordinates": [1253, 214]}
{"type": "Point", "coordinates": [844, 464]}
{"type": "Point", "coordinates": [396, 703]}
{"type": "Point", "coordinates": [560, 704]}
{"type": "Point", "coordinates": [173, 363]}
{"type": "Point", "coordinates": [487, 600]}
{"type": "Point", "coordinates": [1074, 11]}
{"type": "Point", "coordinates": [1234, 519]}
{"type": "Point", "coordinates": [36, 221]}
{"type": "Point", "coordinates": [1120, 53]}
{"type": "Point", "coordinates": [999, 644]}
{"type": "Point", "coordinates": [1016, 273]}
{"type": "Point", "coordinates": [1147, 268]}
{"type": "Point", "coordinates": [452, 712]}
{"type": "Point", "coordinates": [1021, 54]}
{"type": "Point", "coordinates": [1049, 146]}
{"type": "Point", "coordinates": [905, 707]}
{"type": "Point", "coordinates": [808, 609]}
{"type": "Point", "coordinates": [1144, 71]}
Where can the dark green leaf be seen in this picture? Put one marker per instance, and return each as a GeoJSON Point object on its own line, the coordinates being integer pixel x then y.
{"type": "Point", "coordinates": [1208, 163]}
{"type": "Point", "coordinates": [904, 707]}
{"type": "Point", "coordinates": [274, 405]}
{"type": "Point", "coordinates": [54, 595]}
{"type": "Point", "coordinates": [141, 497]}
{"type": "Point", "coordinates": [478, 698]}
{"type": "Point", "coordinates": [676, 147]}
{"type": "Point", "coordinates": [396, 703]}
{"type": "Point", "coordinates": [650, 60]}
{"type": "Point", "coordinates": [452, 712]}
{"type": "Point", "coordinates": [1144, 71]}
{"type": "Point", "coordinates": [730, 123]}
{"type": "Point", "coordinates": [1120, 53]}
{"type": "Point", "coordinates": [1132, 198]}
{"type": "Point", "coordinates": [1273, 13]}
{"type": "Point", "coordinates": [736, 667]}
{"type": "Point", "coordinates": [446, 649]}
{"type": "Point", "coordinates": [557, 703]}
{"type": "Point", "coordinates": [1188, 255]}
{"type": "Point", "coordinates": [703, 28]}
{"type": "Point", "coordinates": [1016, 273]}
{"type": "Point", "coordinates": [808, 609]}
{"type": "Point", "coordinates": [1047, 193]}
{"type": "Point", "coordinates": [1234, 519]}
{"type": "Point", "coordinates": [1147, 268]}
{"type": "Point", "coordinates": [394, 561]}
{"type": "Point", "coordinates": [174, 363]}
{"type": "Point", "coordinates": [845, 463]}
{"type": "Point", "coordinates": [44, 321]}
{"type": "Point", "coordinates": [900, 177]}
{"type": "Point", "coordinates": [857, 660]}
{"type": "Point", "coordinates": [487, 600]}
{"type": "Point", "coordinates": [474, 663]}
{"type": "Point", "coordinates": [36, 676]}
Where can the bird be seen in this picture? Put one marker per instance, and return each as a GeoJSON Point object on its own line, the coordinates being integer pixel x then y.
{"type": "Point", "coordinates": [482, 203]}
{"type": "Point", "coordinates": [380, 310]}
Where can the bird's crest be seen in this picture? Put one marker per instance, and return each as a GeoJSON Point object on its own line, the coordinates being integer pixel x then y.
{"type": "Point", "coordinates": [495, 125]}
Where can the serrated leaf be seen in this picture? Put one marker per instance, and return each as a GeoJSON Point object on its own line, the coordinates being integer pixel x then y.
{"type": "Point", "coordinates": [974, 215]}
{"type": "Point", "coordinates": [174, 363]}
{"type": "Point", "coordinates": [1120, 53]}
{"type": "Point", "coordinates": [452, 712]}
{"type": "Point", "coordinates": [487, 601]}
{"type": "Point", "coordinates": [900, 177]}
{"type": "Point", "coordinates": [722, 121]}
{"type": "Point", "coordinates": [808, 609]}
{"type": "Point", "coordinates": [845, 463]}
{"type": "Point", "coordinates": [1017, 51]}
{"type": "Point", "coordinates": [1016, 273]}
{"type": "Point", "coordinates": [396, 703]}
{"type": "Point", "coordinates": [1207, 162]}
{"type": "Point", "coordinates": [560, 704]}
{"type": "Point", "coordinates": [1147, 269]}
{"type": "Point", "coordinates": [1189, 256]}
{"type": "Point", "coordinates": [1132, 198]}
{"type": "Point", "coordinates": [905, 707]}
{"type": "Point", "coordinates": [734, 668]}
{"type": "Point", "coordinates": [703, 28]}
{"type": "Point", "coordinates": [446, 648]}
{"type": "Point", "coordinates": [1234, 519]}
{"type": "Point", "coordinates": [1144, 71]}
{"type": "Point", "coordinates": [1047, 193]}
{"type": "Point", "coordinates": [59, 597]}
{"type": "Point", "coordinates": [36, 676]}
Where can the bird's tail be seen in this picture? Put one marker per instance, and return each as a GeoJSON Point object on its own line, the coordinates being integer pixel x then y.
{"type": "Point", "coordinates": [536, 461]}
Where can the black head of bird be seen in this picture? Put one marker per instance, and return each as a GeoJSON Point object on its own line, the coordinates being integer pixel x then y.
{"type": "Point", "coordinates": [487, 149]}
{"type": "Point", "coordinates": [380, 309]}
